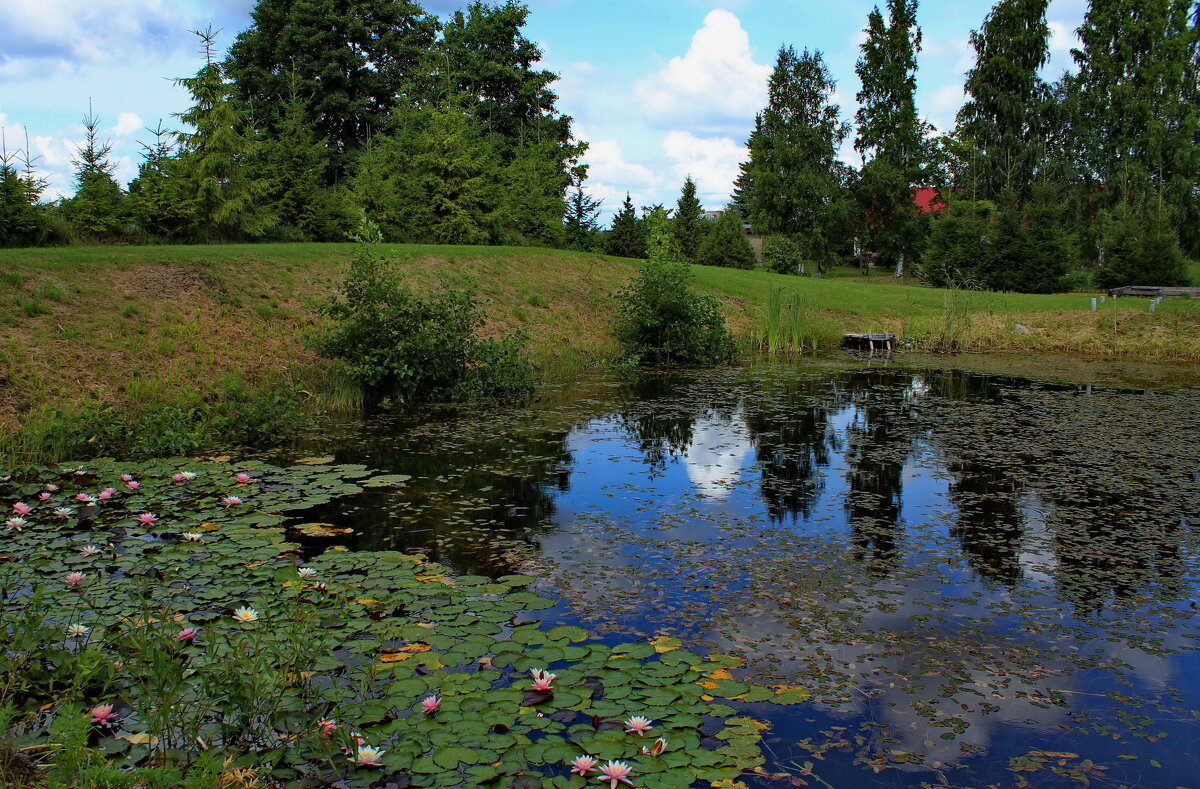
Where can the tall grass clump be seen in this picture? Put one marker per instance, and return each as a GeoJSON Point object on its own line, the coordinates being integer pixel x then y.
{"type": "Point", "coordinates": [960, 297]}
{"type": "Point", "coordinates": [791, 327]}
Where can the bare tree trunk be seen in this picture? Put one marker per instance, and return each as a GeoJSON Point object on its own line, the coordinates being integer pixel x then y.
{"type": "Point", "coordinates": [900, 265]}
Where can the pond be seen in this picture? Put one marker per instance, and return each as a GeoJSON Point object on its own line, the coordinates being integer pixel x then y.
{"type": "Point", "coordinates": [981, 579]}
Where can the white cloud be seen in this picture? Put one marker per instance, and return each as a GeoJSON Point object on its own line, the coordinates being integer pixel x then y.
{"type": "Point", "coordinates": [128, 123]}
{"type": "Point", "coordinates": [712, 162]}
{"type": "Point", "coordinates": [716, 86]}
{"type": "Point", "coordinates": [63, 33]}
{"type": "Point", "coordinates": [610, 176]}
{"type": "Point", "coordinates": [941, 105]}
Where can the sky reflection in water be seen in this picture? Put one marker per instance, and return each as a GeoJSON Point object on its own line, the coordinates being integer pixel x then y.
{"type": "Point", "coordinates": [962, 569]}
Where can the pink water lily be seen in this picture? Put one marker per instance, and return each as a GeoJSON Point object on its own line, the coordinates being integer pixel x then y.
{"type": "Point", "coordinates": [584, 764]}
{"type": "Point", "coordinates": [133, 484]}
{"type": "Point", "coordinates": [75, 578]}
{"type": "Point", "coordinates": [231, 501]}
{"type": "Point", "coordinates": [107, 494]}
{"type": "Point", "coordinates": [638, 725]}
{"type": "Point", "coordinates": [187, 634]}
{"type": "Point", "coordinates": [86, 498]}
{"type": "Point", "coordinates": [541, 679]}
{"type": "Point", "coordinates": [21, 508]}
{"type": "Point", "coordinates": [615, 773]}
{"type": "Point", "coordinates": [430, 704]}
{"type": "Point", "coordinates": [147, 518]}
{"type": "Point", "coordinates": [103, 715]}
{"type": "Point", "coordinates": [242, 478]}
{"type": "Point", "coordinates": [327, 725]}
{"type": "Point", "coordinates": [127, 478]}
{"type": "Point", "coordinates": [44, 496]}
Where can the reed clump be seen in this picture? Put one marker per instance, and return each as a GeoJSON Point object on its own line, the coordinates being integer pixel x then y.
{"type": "Point", "coordinates": [789, 325]}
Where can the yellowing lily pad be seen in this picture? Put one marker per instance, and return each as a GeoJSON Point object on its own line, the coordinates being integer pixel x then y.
{"type": "Point", "coordinates": [324, 530]}
{"type": "Point", "coordinates": [664, 644]}
{"type": "Point", "coordinates": [398, 654]}
{"type": "Point", "coordinates": [316, 461]}
{"type": "Point", "coordinates": [386, 480]}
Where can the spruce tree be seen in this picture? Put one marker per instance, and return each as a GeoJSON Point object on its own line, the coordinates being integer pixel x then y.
{"type": "Point", "coordinates": [740, 199]}
{"type": "Point", "coordinates": [726, 243]}
{"type": "Point", "coordinates": [228, 203]}
{"type": "Point", "coordinates": [891, 137]}
{"type": "Point", "coordinates": [795, 178]}
{"type": "Point", "coordinates": [627, 238]}
{"type": "Point", "coordinates": [1005, 114]}
{"type": "Point", "coordinates": [157, 204]}
{"type": "Point", "coordinates": [1140, 246]}
{"type": "Point", "coordinates": [22, 219]}
{"type": "Point", "coordinates": [688, 224]}
{"type": "Point", "coordinates": [96, 208]}
{"type": "Point", "coordinates": [580, 220]}
{"type": "Point", "coordinates": [355, 61]}
{"type": "Point", "coordinates": [1033, 244]}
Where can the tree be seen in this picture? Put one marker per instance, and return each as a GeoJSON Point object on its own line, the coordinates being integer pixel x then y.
{"type": "Point", "coordinates": [961, 247]}
{"type": "Point", "coordinates": [739, 200]}
{"type": "Point", "coordinates": [580, 219]}
{"type": "Point", "coordinates": [688, 223]}
{"type": "Point", "coordinates": [660, 241]}
{"type": "Point", "coordinates": [95, 210]}
{"type": "Point", "coordinates": [627, 238]}
{"type": "Point", "coordinates": [157, 204]}
{"type": "Point", "coordinates": [1137, 123]}
{"type": "Point", "coordinates": [891, 137]}
{"type": "Point", "coordinates": [795, 179]}
{"type": "Point", "coordinates": [1005, 114]}
{"type": "Point", "coordinates": [726, 244]}
{"type": "Point", "coordinates": [213, 157]}
{"type": "Point", "coordinates": [22, 219]}
{"type": "Point", "coordinates": [353, 61]}
{"type": "Point", "coordinates": [1034, 251]}
{"type": "Point", "coordinates": [1140, 247]}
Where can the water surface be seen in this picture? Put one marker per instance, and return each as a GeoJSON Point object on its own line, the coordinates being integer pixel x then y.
{"type": "Point", "coordinates": [981, 579]}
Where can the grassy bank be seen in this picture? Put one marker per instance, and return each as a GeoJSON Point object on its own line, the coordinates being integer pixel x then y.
{"type": "Point", "coordinates": [148, 327]}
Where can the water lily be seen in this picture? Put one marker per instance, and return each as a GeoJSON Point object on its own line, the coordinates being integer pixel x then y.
{"type": "Point", "coordinates": [89, 550]}
{"type": "Point", "coordinates": [245, 614]}
{"type": "Point", "coordinates": [327, 725]}
{"type": "Point", "coordinates": [133, 484]}
{"type": "Point", "coordinates": [429, 704]}
{"type": "Point", "coordinates": [541, 678]}
{"type": "Point", "coordinates": [147, 518]}
{"type": "Point", "coordinates": [86, 498]}
{"type": "Point", "coordinates": [21, 508]}
{"type": "Point", "coordinates": [242, 478]}
{"type": "Point", "coordinates": [103, 715]}
{"type": "Point", "coordinates": [638, 725]}
{"type": "Point", "coordinates": [366, 756]}
{"type": "Point", "coordinates": [77, 631]}
{"type": "Point", "coordinates": [187, 634]}
{"type": "Point", "coordinates": [615, 773]}
{"type": "Point", "coordinates": [17, 523]}
{"type": "Point", "coordinates": [306, 572]}
{"type": "Point", "coordinates": [63, 512]}
{"type": "Point", "coordinates": [231, 501]}
{"type": "Point", "coordinates": [191, 536]}
{"type": "Point", "coordinates": [127, 478]}
{"type": "Point", "coordinates": [75, 578]}
{"type": "Point", "coordinates": [51, 487]}
{"type": "Point", "coordinates": [107, 494]}
{"type": "Point", "coordinates": [44, 496]}
{"type": "Point", "coordinates": [656, 748]}
{"type": "Point", "coordinates": [583, 765]}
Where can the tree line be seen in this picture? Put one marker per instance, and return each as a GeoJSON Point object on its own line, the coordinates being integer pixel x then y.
{"type": "Point", "coordinates": [1098, 172]}
{"type": "Point", "coordinates": [443, 132]}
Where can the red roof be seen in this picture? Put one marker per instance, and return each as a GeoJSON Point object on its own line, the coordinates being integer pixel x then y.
{"type": "Point", "coordinates": [926, 200]}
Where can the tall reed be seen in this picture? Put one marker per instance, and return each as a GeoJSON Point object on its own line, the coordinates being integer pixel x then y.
{"type": "Point", "coordinates": [790, 326]}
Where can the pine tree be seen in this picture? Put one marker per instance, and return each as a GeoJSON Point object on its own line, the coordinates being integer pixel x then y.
{"type": "Point", "coordinates": [726, 243]}
{"type": "Point", "coordinates": [688, 224]}
{"type": "Point", "coordinates": [795, 178]}
{"type": "Point", "coordinates": [96, 208]}
{"type": "Point", "coordinates": [157, 204]}
{"type": "Point", "coordinates": [1005, 114]}
{"type": "Point", "coordinates": [580, 222]}
{"type": "Point", "coordinates": [740, 199]}
{"type": "Point", "coordinates": [627, 238]}
{"type": "Point", "coordinates": [213, 157]}
{"type": "Point", "coordinates": [891, 137]}
{"type": "Point", "coordinates": [22, 219]}
{"type": "Point", "coordinates": [354, 62]}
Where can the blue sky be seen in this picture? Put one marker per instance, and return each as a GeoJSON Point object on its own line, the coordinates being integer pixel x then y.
{"type": "Point", "coordinates": [659, 88]}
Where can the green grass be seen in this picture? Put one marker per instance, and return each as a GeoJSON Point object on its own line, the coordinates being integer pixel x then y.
{"type": "Point", "coordinates": [146, 323]}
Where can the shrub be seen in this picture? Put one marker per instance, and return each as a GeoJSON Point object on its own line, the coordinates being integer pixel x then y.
{"type": "Point", "coordinates": [726, 244]}
{"type": "Point", "coordinates": [660, 319]}
{"type": "Point", "coordinates": [783, 256]}
{"type": "Point", "coordinates": [399, 344]}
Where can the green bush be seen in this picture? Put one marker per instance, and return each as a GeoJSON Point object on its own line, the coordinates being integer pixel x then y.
{"type": "Point", "coordinates": [661, 320]}
{"type": "Point", "coordinates": [783, 256]}
{"type": "Point", "coordinates": [395, 343]}
{"type": "Point", "coordinates": [726, 244]}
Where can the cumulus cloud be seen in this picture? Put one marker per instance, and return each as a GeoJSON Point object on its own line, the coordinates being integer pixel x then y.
{"type": "Point", "coordinates": [712, 162]}
{"type": "Point", "coordinates": [66, 33]}
{"type": "Point", "coordinates": [611, 175]}
{"type": "Point", "coordinates": [128, 124]}
{"type": "Point", "coordinates": [715, 87]}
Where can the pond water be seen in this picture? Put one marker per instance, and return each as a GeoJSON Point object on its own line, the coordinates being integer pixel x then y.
{"type": "Point", "coordinates": [982, 580]}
